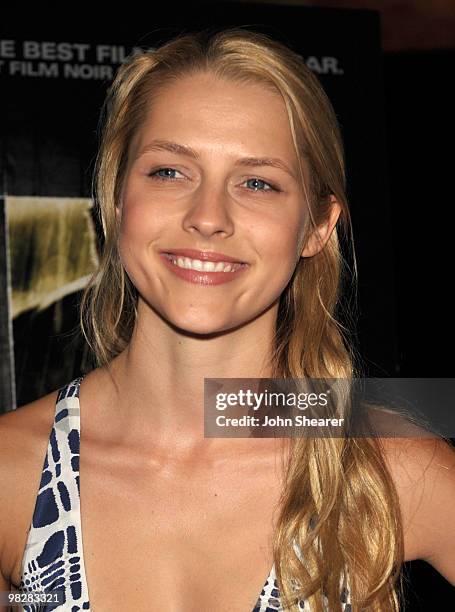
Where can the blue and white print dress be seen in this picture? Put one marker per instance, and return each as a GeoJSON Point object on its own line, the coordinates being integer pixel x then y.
{"type": "Point", "coordinates": [53, 558]}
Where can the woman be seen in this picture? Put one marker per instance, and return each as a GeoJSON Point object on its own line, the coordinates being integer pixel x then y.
{"type": "Point", "coordinates": [219, 149]}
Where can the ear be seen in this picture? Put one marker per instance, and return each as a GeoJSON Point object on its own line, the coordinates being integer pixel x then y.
{"type": "Point", "coordinates": [318, 238]}
{"type": "Point", "coordinates": [119, 205]}
{"type": "Point", "coordinates": [118, 212]}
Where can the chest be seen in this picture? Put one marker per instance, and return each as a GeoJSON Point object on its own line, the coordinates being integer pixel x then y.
{"type": "Point", "coordinates": [177, 540]}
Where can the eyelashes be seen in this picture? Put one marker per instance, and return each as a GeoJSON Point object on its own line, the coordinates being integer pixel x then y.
{"type": "Point", "coordinates": [155, 176]}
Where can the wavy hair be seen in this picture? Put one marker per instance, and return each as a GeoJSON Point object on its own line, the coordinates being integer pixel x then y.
{"type": "Point", "coordinates": [342, 481]}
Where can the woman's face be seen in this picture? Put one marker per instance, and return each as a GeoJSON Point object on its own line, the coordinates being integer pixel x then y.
{"type": "Point", "coordinates": [214, 198]}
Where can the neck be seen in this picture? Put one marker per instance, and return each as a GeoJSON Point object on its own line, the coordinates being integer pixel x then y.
{"type": "Point", "coordinates": [155, 394]}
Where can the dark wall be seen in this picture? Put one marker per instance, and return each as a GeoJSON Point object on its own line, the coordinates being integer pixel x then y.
{"type": "Point", "coordinates": [419, 103]}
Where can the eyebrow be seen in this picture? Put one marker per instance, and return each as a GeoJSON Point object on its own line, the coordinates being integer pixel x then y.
{"type": "Point", "coordinates": [174, 147]}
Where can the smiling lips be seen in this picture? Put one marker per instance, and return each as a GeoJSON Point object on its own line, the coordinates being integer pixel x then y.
{"type": "Point", "coordinates": [203, 267]}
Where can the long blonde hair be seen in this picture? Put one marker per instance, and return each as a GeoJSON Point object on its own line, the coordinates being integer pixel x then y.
{"type": "Point", "coordinates": [340, 480]}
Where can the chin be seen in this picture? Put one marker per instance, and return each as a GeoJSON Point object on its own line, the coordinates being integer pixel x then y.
{"type": "Point", "coordinates": [202, 328]}
{"type": "Point", "coordinates": [202, 324]}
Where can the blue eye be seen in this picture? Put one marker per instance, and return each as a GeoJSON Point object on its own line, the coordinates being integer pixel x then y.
{"type": "Point", "coordinates": [156, 175]}
{"type": "Point", "coordinates": [256, 180]}
{"type": "Point", "coordinates": [168, 177]}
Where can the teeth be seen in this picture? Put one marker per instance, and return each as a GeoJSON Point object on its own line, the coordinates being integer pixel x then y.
{"type": "Point", "coordinates": [203, 266]}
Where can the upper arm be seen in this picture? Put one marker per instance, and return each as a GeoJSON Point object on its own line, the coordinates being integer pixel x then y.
{"type": "Point", "coordinates": [423, 471]}
{"type": "Point", "coordinates": [6, 483]}
{"type": "Point", "coordinates": [24, 433]}
{"type": "Point", "coordinates": [10, 473]}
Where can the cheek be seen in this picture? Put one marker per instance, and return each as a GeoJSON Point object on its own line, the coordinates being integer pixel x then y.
{"type": "Point", "coordinates": [141, 221]}
{"type": "Point", "coordinates": [279, 241]}
{"type": "Point", "coordinates": [139, 228]}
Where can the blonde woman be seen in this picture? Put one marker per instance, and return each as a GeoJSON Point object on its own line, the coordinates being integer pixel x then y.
{"type": "Point", "coordinates": [217, 147]}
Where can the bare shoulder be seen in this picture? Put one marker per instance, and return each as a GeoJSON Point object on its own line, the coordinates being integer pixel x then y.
{"type": "Point", "coordinates": [24, 435]}
{"type": "Point", "coordinates": [423, 471]}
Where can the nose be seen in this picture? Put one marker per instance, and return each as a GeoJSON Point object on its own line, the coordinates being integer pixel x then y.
{"type": "Point", "coordinates": [209, 211]}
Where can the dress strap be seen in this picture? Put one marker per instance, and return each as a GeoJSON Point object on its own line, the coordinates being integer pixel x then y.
{"type": "Point", "coordinates": [53, 558]}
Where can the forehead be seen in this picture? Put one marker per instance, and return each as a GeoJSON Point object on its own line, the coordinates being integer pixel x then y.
{"type": "Point", "coordinates": [203, 109]}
